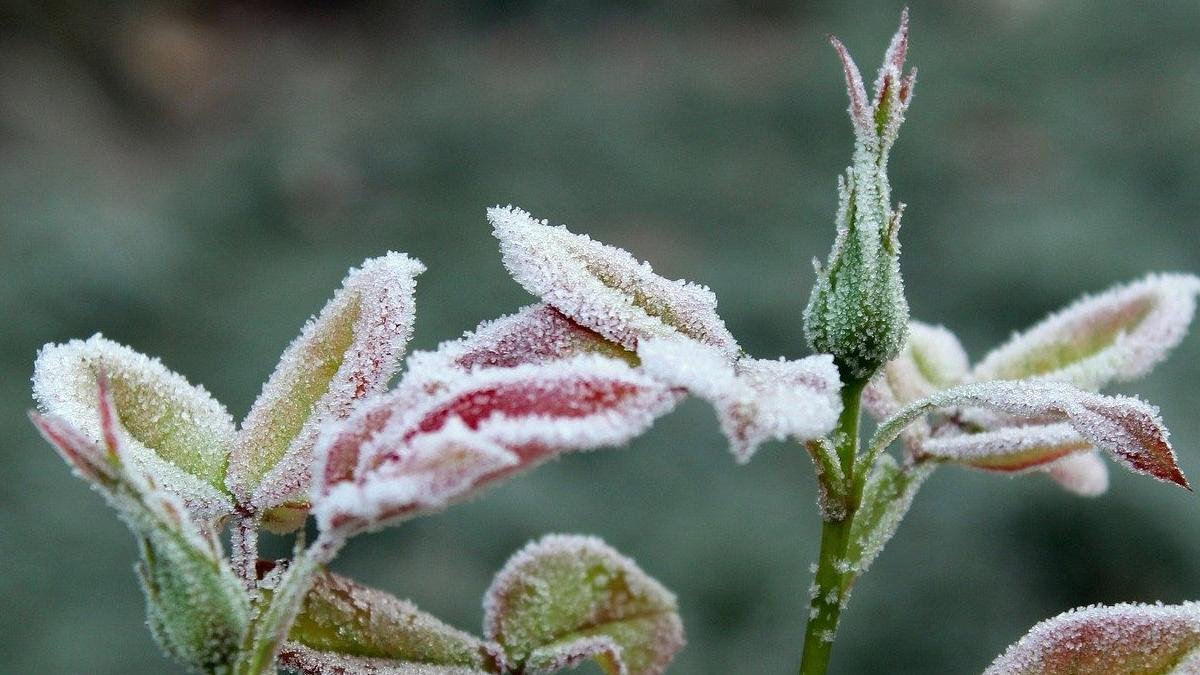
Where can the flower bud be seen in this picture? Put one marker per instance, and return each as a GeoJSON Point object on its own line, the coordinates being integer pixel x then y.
{"type": "Point", "coordinates": [857, 311]}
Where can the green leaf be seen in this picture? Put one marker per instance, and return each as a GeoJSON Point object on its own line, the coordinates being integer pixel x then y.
{"type": "Point", "coordinates": [888, 493]}
{"type": "Point", "coordinates": [169, 429]}
{"type": "Point", "coordinates": [348, 352]}
{"type": "Point", "coordinates": [566, 598]}
{"type": "Point", "coordinates": [341, 618]}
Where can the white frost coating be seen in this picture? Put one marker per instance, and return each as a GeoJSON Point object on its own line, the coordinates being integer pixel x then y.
{"type": "Point", "coordinates": [298, 658]}
{"type": "Point", "coordinates": [348, 352]}
{"type": "Point", "coordinates": [432, 470]}
{"type": "Point", "coordinates": [171, 430]}
{"type": "Point", "coordinates": [1114, 336]}
{"type": "Point", "coordinates": [1083, 473]}
{"type": "Point", "coordinates": [476, 427]}
{"type": "Point", "coordinates": [562, 589]}
{"type": "Point", "coordinates": [534, 334]}
{"type": "Point", "coordinates": [1129, 429]}
{"type": "Point", "coordinates": [1108, 640]}
{"type": "Point", "coordinates": [604, 287]}
{"type": "Point", "coordinates": [1009, 449]}
{"type": "Point", "coordinates": [560, 656]}
{"type": "Point", "coordinates": [755, 399]}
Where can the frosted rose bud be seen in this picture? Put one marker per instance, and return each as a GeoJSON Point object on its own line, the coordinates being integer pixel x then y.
{"type": "Point", "coordinates": [857, 310]}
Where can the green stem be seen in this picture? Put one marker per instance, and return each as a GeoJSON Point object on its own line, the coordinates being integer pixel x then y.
{"type": "Point", "coordinates": [270, 627]}
{"type": "Point", "coordinates": [831, 580]}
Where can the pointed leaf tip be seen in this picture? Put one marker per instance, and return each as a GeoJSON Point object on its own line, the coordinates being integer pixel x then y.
{"type": "Point", "coordinates": [348, 352]}
{"type": "Point", "coordinates": [566, 598]}
{"type": "Point", "coordinates": [603, 287]}
{"type": "Point", "coordinates": [1108, 640]}
{"type": "Point", "coordinates": [860, 114]}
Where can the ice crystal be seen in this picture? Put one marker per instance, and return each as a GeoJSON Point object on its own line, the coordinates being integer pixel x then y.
{"type": "Point", "coordinates": [1108, 640]}
{"type": "Point", "coordinates": [887, 495]}
{"type": "Point", "coordinates": [603, 287]}
{"type": "Point", "coordinates": [932, 359]}
{"type": "Point", "coordinates": [170, 430]}
{"type": "Point", "coordinates": [857, 310]}
{"type": "Point", "coordinates": [1117, 335]}
{"type": "Point", "coordinates": [1009, 449]}
{"type": "Point", "coordinates": [568, 597]}
{"type": "Point", "coordinates": [755, 399]}
{"type": "Point", "coordinates": [414, 450]}
{"type": "Point", "coordinates": [297, 658]}
{"type": "Point", "coordinates": [347, 353]}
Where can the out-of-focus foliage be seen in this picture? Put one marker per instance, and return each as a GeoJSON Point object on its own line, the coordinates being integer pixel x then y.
{"type": "Point", "coordinates": [191, 178]}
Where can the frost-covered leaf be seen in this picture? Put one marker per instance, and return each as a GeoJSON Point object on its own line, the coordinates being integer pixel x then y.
{"type": "Point", "coordinates": [565, 598]}
{"type": "Point", "coordinates": [343, 622]}
{"type": "Point", "coordinates": [1128, 429]}
{"type": "Point", "coordinates": [171, 430]}
{"type": "Point", "coordinates": [1125, 639]}
{"type": "Point", "coordinates": [405, 453]}
{"type": "Point", "coordinates": [297, 658]}
{"type": "Point", "coordinates": [932, 359]}
{"type": "Point", "coordinates": [535, 334]}
{"type": "Point", "coordinates": [195, 607]}
{"type": "Point", "coordinates": [888, 493]}
{"type": "Point", "coordinates": [347, 353]}
{"type": "Point", "coordinates": [1114, 336]}
{"type": "Point", "coordinates": [1009, 449]}
{"type": "Point", "coordinates": [755, 399]}
{"type": "Point", "coordinates": [603, 287]}
{"type": "Point", "coordinates": [1083, 473]}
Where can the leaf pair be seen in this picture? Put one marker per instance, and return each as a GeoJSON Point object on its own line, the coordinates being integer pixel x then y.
{"type": "Point", "coordinates": [1028, 406]}
{"type": "Point", "coordinates": [672, 326]}
{"type": "Point", "coordinates": [559, 601]}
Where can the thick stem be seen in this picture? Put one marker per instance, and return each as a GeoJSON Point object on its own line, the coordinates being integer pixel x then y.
{"type": "Point", "coordinates": [269, 629]}
{"type": "Point", "coordinates": [828, 586]}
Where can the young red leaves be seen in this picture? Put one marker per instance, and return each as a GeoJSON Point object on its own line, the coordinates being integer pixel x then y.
{"type": "Point", "coordinates": [566, 599]}
{"type": "Point", "coordinates": [1128, 429]}
{"type": "Point", "coordinates": [604, 288]}
{"type": "Point", "coordinates": [171, 431]}
{"type": "Point", "coordinates": [1109, 640]}
{"type": "Point", "coordinates": [347, 353]}
{"type": "Point", "coordinates": [1115, 336]}
{"type": "Point", "coordinates": [755, 399]}
{"type": "Point", "coordinates": [422, 447]}
{"type": "Point", "coordinates": [346, 628]}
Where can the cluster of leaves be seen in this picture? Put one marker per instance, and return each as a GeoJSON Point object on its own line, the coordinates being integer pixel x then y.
{"type": "Point", "coordinates": [611, 347]}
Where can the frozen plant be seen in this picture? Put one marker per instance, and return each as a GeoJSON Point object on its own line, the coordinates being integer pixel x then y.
{"type": "Point", "coordinates": [611, 346]}
{"type": "Point", "coordinates": [326, 437]}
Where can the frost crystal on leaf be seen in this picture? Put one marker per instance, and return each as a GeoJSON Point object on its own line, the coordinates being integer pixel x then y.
{"type": "Point", "coordinates": [603, 287]}
{"type": "Point", "coordinates": [932, 359]}
{"type": "Point", "coordinates": [1127, 428]}
{"type": "Point", "coordinates": [535, 334]}
{"type": "Point", "coordinates": [344, 624]}
{"type": "Point", "coordinates": [755, 399]}
{"type": "Point", "coordinates": [1108, 640]}
{"type": "Point", "coordinates": [564, 598]}
{"type": "Point", "coordinates": [347, 353]}
{"type": "Point", "coordinates": [415, 450]}
{"type": "Point", "coordinates": [170, 430]}
{"type": "Point", "coordinates": [1114, 336]}
{"type": "Point", "coordinates": [857, 310]}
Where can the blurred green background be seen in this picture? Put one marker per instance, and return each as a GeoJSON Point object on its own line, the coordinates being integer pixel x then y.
{"type": "Point", "coordinates": [194, 178]}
